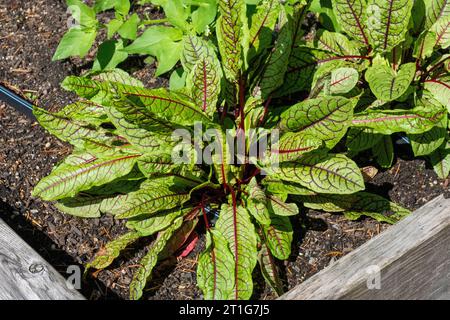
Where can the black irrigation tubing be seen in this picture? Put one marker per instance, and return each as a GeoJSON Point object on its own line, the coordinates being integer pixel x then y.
{"type": "Point", "coordinates": [17, 102]}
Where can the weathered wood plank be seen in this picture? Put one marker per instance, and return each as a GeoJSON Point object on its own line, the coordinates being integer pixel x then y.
{"type": "Point", "coordinates": [413, 258]}
{"type": "Point", "coordinates": [25, 275]}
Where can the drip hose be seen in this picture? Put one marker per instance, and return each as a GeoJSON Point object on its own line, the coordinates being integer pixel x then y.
{"type": "Point", "coordinates": [17, 102]}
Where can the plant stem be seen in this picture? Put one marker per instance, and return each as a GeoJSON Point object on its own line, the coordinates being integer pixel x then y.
{"type": "Point", "coordinates": [156, 21]}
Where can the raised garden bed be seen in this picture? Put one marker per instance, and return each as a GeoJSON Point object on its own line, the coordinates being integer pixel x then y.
{"type": "Point", "coordinates": [27, 154]}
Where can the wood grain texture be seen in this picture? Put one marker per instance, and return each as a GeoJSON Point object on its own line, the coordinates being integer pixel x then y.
{"type": "Point", "coordinates": [413, 257]}
{"type": "Point", "coordinates": [25, 275]}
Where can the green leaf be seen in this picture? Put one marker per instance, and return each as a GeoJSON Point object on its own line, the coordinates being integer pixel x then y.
{"type": "Point", "coordinates": [333, 173]}
{"type": "Point", "coordinates": [414, 121]}
{"type": "Point", "coordinates": [435, 10]}
{"type": "Point", "coordinates": [122, 6]}
{"type": "Point", "coordinates": [230, 34]}
{"type": "Point", "coordinates": [428, 142]}
{"type": "Point", "coordinates": [269, 270]}
{"type": "Point", "coordinates": [278, 236]}
{"type": "Point", "coordinates": [143, 273]}
{"type": "Point", "coordinates": [105, 256]}
{"type": "Point", "coordinates": [112, 26]}
{"type": "Point", "coordinates": [154, 195]}
{"type": "Point", "coordinates": [442, 29]}
{"type": "Point", "coordinates": [440, 88]}
{"type": "Point", "coordinates": [195, 49]}
{"type": "Point", "coordinates": [293, 145]}
{"type": "Point", "coordinates": [387, 84]}
{"type": "Point", "coordinates": [128, 30]}
{"type": "Point", "coordinates": [70, 130]}
{"type": "Point", "coordinates": [360, 139]}
{"type": "Point", "coordinates": [256, 203]}
{"type": "Point", "coordinates": [336, 43]}
{"type": "Point", "coordinates": [165, 105]}
{"type": "Point", "coordinates": [85, 112]}
{"type": "Point", "coordinates": [215, 269]}
{"type": "Point", "coordinates": [76, 42]}
{"type": "Point", "coordinates": [356, 205]}
{"type": "Point", "coordinates": [149, 226]}
{"type": "Point", "coordinates": [177, 80]}
{"type": "Point", "coordinates": [262, 26]}
{"type": "Point", "coordinates": [152, 36]}
{"type": "Point", "coordinates": [283, 187]}
{"type": "Point", "coordinates": [205, 79]}
{"type": "Point", "coordinates": [82, 13]}
{"type": "Point", "coordinates": [109, 55]}
{"type": "Point", "coordinates": [384, 152]}
{"type": "Point", "coordinates": [440, 159]}
{"type": "Point", "coordinates": [278, 207]}
{"type": "Point", "coordinates": [66, 180]}
{"type": "Point", "coordinates": [424, 46]}
{"type": "Point", "coordinates": [204, 15]}
{"type": "Point", "coordinates": [277, 64]}
{"type": "Point", "coordinates": [387, 22]}
{"type": "Point", "coordinates": [351, 15]}
{"type": "Point", "coordinates": [235, 225]}
{"type": "Point", "coordinates": [326, 118]}
{"type": "Point", "coordinates": [343, 80]}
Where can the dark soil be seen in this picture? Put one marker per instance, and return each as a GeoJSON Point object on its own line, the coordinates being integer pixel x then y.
{"type": "Point", "coordinates": [29, 33]}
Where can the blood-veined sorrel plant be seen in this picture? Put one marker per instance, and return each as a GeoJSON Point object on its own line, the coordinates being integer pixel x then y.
{"type": "Point", "coordinates": [392, 55]}
{"type": "Point", "coordinates": [140, 154]}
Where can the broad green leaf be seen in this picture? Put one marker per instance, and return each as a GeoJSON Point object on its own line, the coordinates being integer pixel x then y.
{"type": "Point", "coordinates": [149, 226]}
{"type": "Point", "coordinates": [424, 46]}
{"type": "Point", "coordinates": [230, 36]}
{"type": "Point", "coordinates": [262, 26]}
{"type": "Point", "coordinates": [204, 15]}
{"type": "Point", "coordinates": [76, 42]}
{"type": "Point", "coordinates": [336, 43]}
{"type": "Point", "coordinates": [92, 206]}
{"type": "Point", "coordinates": [112, 27]}
{"type": "Point", "coordinates": [154, 195]}
{"type": "Point", "coordinates": [82, 13]}
{"type": "Point", "coordinates": [128, 30]}
{"type": "Point", "coordinates": [66, 180]}
{"type": "Point", "coordinates": [440, 88]}
{"type": "Point", "coordinates": [293, 145]}
{"type": "Point", "coordinates": [235, 225]}
{"type": "Point", "coordinates": [383, 152]}
{"type": "Point", "coordinates": [256, 203]}
{"type": "Point", "coordinates": [303, 63]}
{"type": "Point", "coordinates": [278, 207]}
{"type": "Point", "coordinates": [143, 273]}
{"type": "Point", "coordinates": [387, 84]}
{"type": "Point", "coordinates": [157, 164]}
{"type": "Point", "coordinates": [205, 89]}
{"type": "Point", "coordinates": [109, 55]}
{"type": "Point", "coordinates": [146, 138]}
{"type": "Point", "coordinates": [153, 36]}
{"type": "Point", "coordinates": [195, 49]}
{"type": "Point", "coordinates": [121, 6]}
{"type": "Point", "coordinates": [332, 173]}
{"type": "Point", "coordinates": [326, 118]}
{"type": "Point", "coordinates": [269, 270]}
{"type": "Point", "coordinates": [177, 79]}
{"type": "Point", "coordinates": [440, 159]}
{"type": "Point", "coordinates": [275, 186]}
{"type": "Point", "coordinates": [417, 120]}
{"type": "Point", "coordinates": [106, 255]}
{"type": "Point", "coordinates": [428, 142]}
{"type": "Point", "coordinates": [360, 139]}
{"type": "Point", "coordinates": [361, 203]}
{"type": "Point", "coordinates": [343, 80]}
{"type": "Point", "coordinates": [69, 130]}
{"type": "Point", "coordinates": [215, 269]}
{"type": "Point", "coordinates": [442, 30]}
{"type": "Point", "coordinates": [387, 22]}
{"type": "Point", "coordinates": [435, 10]}
{"type": "Point", "coordinates": [351, 15]}
{"type": "Point", "coordinates": [278, 236]}
{"type": "Point", "coordinates": [85, 112]}
{"type": "Point", "coordinates": [165, 105]}
{"type": "Point", "coordinates": [277, 63]}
